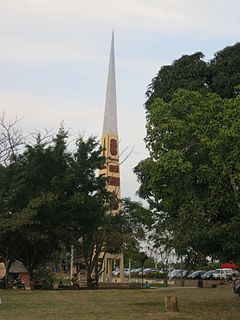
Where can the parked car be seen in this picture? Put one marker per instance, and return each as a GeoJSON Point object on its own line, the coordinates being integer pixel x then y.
{"type": "Point", "coordinates": [208, 275]}
{"type": "Point", "coordinates": [176, 274]}
{"type": "Point", "coordinates": [153, 270]}
{"type": "Point", "coordinates": [196, 275]}
{"type": "Point", "coordinates": [167, 270]}
{"type": "Point", "coordinates": [222, 273]}
{"type": "Point", "coordinates": [136, 271]}
{"type": "Point", "coordinates": [116, 272]}
{"type": "Point", "coordinates": [126, 271]}
{"type": "Point", "coordinates": [148, 270]}
{"type": "Point", "coordinates": [236, 286]}
{"type": "Point", "coordinates": [236, 273]}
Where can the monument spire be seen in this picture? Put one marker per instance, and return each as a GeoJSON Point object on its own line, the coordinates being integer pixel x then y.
{"type": "Point", "coordinates": [111, 170]}
{"type": "Point", "coordinates": [109, 139]}
{"type": "Point", "coordinates": [110, 115]}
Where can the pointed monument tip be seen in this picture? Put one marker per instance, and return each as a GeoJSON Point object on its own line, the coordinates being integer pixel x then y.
{"type": "Point", "coordinates": [110, 115]}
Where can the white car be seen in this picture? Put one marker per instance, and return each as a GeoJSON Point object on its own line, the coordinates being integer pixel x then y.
{"type": "Point", "coordinates": [224, 273]}
{"type": "Point", "coordinates": [176, 274]}
{"type": "Point", "coordinates": [116, 272]}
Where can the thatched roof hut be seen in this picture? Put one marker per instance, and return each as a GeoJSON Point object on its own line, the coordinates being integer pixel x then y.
{"type": "Point", "coordinates": [18, 270]}
{"type": "Point", "coordinates": [17, 267]}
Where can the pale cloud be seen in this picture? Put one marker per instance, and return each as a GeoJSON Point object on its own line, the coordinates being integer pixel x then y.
{"type": "Point", "coordinates": [153, 15]}
{"type": "Point", "coordinates": [59, 30]}
{"type": "Point", "coordinates": [17, 50]}
{"type": "Point", "coordinates": [39, 112]}
{"type": "Point", "coordinates": [54, 58]}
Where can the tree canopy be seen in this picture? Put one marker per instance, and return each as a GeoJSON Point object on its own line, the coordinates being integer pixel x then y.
{"type": "Point", "coordinates": [220, 75]}
{"type": "Point", "coordinates": [50, 197]}
{"type": "Point", "coordinates": [191, 179]}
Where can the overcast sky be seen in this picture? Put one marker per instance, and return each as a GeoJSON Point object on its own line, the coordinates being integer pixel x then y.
{"type": "Point", "coordinates": [54, 58]}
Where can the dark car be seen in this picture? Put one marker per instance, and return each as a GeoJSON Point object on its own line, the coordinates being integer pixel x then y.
{"type": "Point", "coordinates": [208, 275]}
{"type": "Point", "coordinates": [196, 275]}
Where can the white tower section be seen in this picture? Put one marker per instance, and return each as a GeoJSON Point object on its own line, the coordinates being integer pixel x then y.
{"type": "Point", "coordinates": [110, 115]}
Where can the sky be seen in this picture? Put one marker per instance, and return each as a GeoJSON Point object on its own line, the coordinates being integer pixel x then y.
{"type": "Point", "coordinates": [54, 57]}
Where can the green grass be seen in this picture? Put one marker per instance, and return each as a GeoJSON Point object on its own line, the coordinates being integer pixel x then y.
{"type": "Point", "coordinates": [219, 303]}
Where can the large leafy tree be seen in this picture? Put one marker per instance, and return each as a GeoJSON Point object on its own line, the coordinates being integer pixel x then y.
{"type": "Point", "coordinates": [29, 196]}
{"type": "Point", "coordinates": [50, 197]}
{"type": "Point", "coordinates": [191, 177]}
{"type": "Point", "coordinates": [220, 75]}
{"type": "Point", "coordinates": [189, 72]}
{"type": "Point", "coordinates": [225, 71]}
{"type": "Point", "coordinates": [85, 202]}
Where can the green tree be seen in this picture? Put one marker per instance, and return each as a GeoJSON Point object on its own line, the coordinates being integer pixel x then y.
{"type": "Point", "coordinates": [134, 222]}
{"type": "Point", "coordinates": [50, 197]}
{"type": "Point", "coordinates": [84, 203]}
{"type": "Point", "coordinates": [225, 71]}
{"type": "Point", "coordinates": [191, 177]}
{"type": "Point", "coordinates": [220, 75]}
{"type": "Point", "coordinates": [189, 72]}
{"type": "Point", "coordinates": [29, 196]}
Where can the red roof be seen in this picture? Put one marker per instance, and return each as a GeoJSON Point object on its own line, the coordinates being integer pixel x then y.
{"type": "Point", "coordinates": [230, 264]}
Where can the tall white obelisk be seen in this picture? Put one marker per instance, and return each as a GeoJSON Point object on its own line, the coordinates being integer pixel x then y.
{"type": "Point", "coordinates": [109, 139]}
{"type": "Point", "coordinates": [111, 170]}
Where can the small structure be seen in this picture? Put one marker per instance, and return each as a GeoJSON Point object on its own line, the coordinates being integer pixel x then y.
{"type": "Point", "coordinates": [171, 304]}
{"type": "Point", "coordinates": [107, 273]}
{"type": "Point", "coordinates": [18, 271]}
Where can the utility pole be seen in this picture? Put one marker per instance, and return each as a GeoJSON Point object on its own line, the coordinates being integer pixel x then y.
{"type": "Point", "coordinates": [96, 263]}
{"type": "Point", "coordinates": [129, 269]}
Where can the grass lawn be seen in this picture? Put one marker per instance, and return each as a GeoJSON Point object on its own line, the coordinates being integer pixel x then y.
{"type": "Point", "coordinates": [195, 303]}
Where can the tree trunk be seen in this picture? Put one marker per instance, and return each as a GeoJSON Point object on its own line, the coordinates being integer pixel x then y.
{"type": "Point", "coordinates": [165, 280]}
{"type": "Point", "coordinates": [182, 280]}
{"type": "Point", "coordinates": [96, 265]}
{"type": "Point", "coordinates": [89, 280]}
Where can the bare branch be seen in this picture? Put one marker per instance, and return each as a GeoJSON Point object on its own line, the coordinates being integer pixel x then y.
{"type": "Point", "coordinates": [11, 138]}
{"type": "Point", "coordinates": [42, 138]}
{"type": "Point", "coordinates": [128, 155]}
{"type": "Point", "coordinates": [125, 149]}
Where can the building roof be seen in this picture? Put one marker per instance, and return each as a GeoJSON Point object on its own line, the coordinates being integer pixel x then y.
{"type": "Point", "coordinates": [17, 267]}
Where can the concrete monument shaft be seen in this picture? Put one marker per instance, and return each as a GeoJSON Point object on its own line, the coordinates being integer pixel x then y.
{"type": "Point", "coordinates": [110, 145]}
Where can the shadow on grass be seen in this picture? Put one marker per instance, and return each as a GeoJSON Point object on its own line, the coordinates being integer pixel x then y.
{"type": "Point", "coordinates": [148, 303]}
